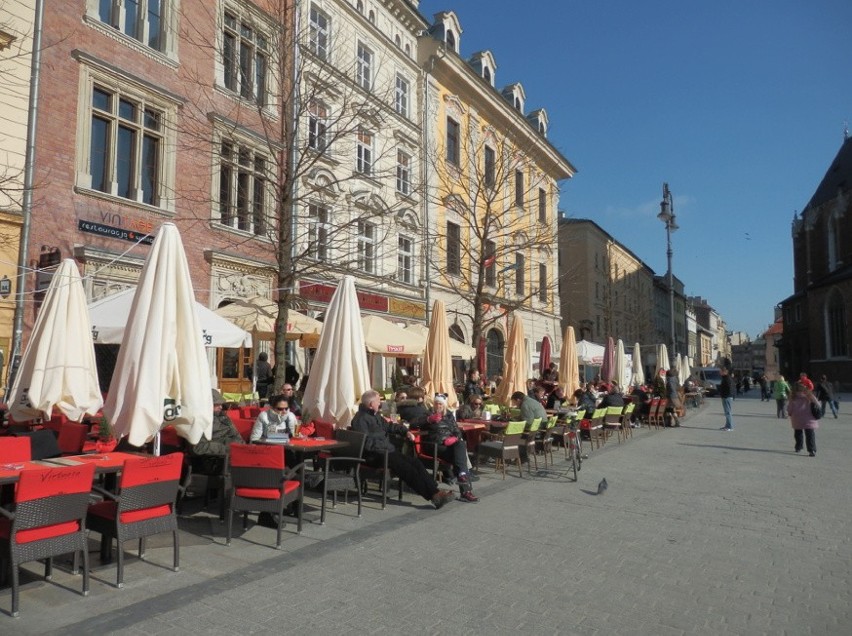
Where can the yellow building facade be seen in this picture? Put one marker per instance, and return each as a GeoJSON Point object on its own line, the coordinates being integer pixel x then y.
{"type": "Point", "coordinates": [491, 195]}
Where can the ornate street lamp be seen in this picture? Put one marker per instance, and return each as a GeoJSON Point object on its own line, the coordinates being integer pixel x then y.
{"type": "Point", "coordinates": [667, 216]}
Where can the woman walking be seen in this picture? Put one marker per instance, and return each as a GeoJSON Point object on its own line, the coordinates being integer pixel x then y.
{"type": "Point", "coordinates": [802, 419]}
{"type": "Point", "coordinates": [780, 391]}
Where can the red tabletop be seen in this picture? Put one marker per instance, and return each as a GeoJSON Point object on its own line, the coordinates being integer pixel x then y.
{"type": "Point", "coordinates": [10, 472]}
{"type": "Point", "coordinates": [104, 462]}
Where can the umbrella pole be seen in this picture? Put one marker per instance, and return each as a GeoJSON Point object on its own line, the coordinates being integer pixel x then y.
{"type": "Point", "coordinates": [157, 444]}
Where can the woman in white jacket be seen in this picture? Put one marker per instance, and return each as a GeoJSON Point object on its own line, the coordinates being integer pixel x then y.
{"type": "Point", "coordinates": [276, 419]}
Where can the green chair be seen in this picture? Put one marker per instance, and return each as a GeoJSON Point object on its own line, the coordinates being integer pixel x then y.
{"type": "Point", "coordinates": [492, 408]}
{"type": "Point", "coordinates": [505, 447]}
{"type": "Point", "coordinates": [612, 422]}
{"type": "Point", "coordinates": [544, 440]}
{"type": "Point", "coordinates": [528, 445]}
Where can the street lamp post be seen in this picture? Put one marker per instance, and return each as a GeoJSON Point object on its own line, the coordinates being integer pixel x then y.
{"type": "Point", "coordinates": [667, 216]}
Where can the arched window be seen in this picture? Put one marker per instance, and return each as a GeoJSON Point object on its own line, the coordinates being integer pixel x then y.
{"type": "Point", "coordinates": [372, 17]}
{"type": "Point", "coordinates": [408, 49]}
{"type": "Point", "coordinates": [360, 6]}
{"type": "Point", "coordinates": [486, 74]}
{"type": "Point", "coordinates": [451, 40]}
{"type": "Point", "coordinates": [397, 41]}
{"type": "Point", "coordinates": [835, 326]}
{"type": "Point", "coordinates": [494, 353]}
{"type": "Point", "coordinates": [833, 238]}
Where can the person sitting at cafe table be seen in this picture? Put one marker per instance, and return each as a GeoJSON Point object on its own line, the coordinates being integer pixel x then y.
{"type": "Point", "coordinates": [409, 469]}
{"type": "Point", "coordinates": [585, 402]}
{"type": "Point", "coordinates": [288, 392]}
{"type": "Point", "coordinates": [208, 457]}
{"type": "Point", "coordinates": [540, 394]}
{"type": "Point", "coordinates": [613, 396]}
{"type": "Point", "coordinates": [413, 410]}
{"type": "Point", "coordinates": [472, 409]}
{"type": "Point", "coordinates": [276, 419]}
{"type": "Point", "coordinates": [530, 407]}
{"type": "Point", "coordinates": [555, 399]}
{"type": "Point", "coordinates": [473, 386]}
{"type": "Point", "coordinates": [440, 428]}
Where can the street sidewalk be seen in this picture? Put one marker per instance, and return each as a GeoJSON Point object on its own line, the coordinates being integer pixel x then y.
{"type": "Point", "coordinates": [700, 532]}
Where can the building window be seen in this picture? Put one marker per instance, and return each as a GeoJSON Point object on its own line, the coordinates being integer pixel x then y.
{"type": "Point", "coordinates": [519, 188]}
{"type": "Point", "coordinates": [401, 98]}
{"type": "Point", "coordinates": [452, 141]}
{"type": "Point", "coordinates": [520, 280]}
{"type": "Point", "coordinates": [126, 146]}
{"type": "Point", "coordinates": [490, 167]}
{"type": "Point", "coordinates": [364, 153]}
{"type": "Point", "coordinates": [453, 248]}
{"type": "Point", "coordinates": [141, 20]}
{"type": "Point", "coordinates": [367, 247]}
{"type": "Point", "coordinates": [542, 282]}
{"type": "Point", "coordinates": [397, 41]}
{"type": "Point", "coordinates": [318, 230]}
{"type": "Point", "coordinates": [364, 67]}
{"type": "Point", "coordinates": [319, 30]}
{"type": "Point", "coordinates": [245, 58]}
{"type": "Point", "coordinates": [318, 126]}
{"type": "Point", "coordinates": [486, 75]}
{"type": "Point", "coordinates": [405, 260]}
{"type": "Point", "coordinates": [360, 6]}
{"type": "Point", "coordinates": [490, 263]}
{"type": "Point", "coordinates": [243, 178]}
{"type": "Point", "coordinates": [451, 41]}
{"type": "Point", "coordinates": [542, 206]}
{"type": "Point", "coordinates": [836, 326]}
{"type": "Point", "coordinates": [372, 16]}
{"type": "Point", "coordinates": [403, 173]}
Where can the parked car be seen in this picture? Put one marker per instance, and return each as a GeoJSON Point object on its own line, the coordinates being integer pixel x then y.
{"type": "Point", "coordinates": [709, 379]}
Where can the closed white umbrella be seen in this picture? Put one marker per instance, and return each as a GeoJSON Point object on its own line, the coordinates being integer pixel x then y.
{"type": "Point", "coordinates": [162, 376]}
{"type": "Point", "coordinates": [638, 372]}
{"type": "Point", "coordinates": [111, 314]}
{"type": "Point", "coordinates": [58, 369]}
{"type": "Point", "coordinates": [339, 374]}
{"type": "Point", "coordinates": [662, 358]}
{"type": "Point", "coordinates": [621, 375]}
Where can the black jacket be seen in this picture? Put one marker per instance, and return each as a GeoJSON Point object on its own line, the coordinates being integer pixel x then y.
{"type": "Point", "coordinates": [412, 411]}
{"type": "Point", "coordinates": [377, 430]}
{"type": "Point", "coordinates": [727, 388]}
{"type": "Point", "coordinates": [435, 430]}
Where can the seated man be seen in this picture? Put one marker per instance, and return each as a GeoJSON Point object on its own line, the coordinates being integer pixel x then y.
{"type": "Point", "coordinates": [410, 470]}
{"type": "Point", "coordinates": [208, 456]}
{"type": "Point", "coordinates": [530, 407]}
{"type": "Point", "coordinates": [613, 397]}
{"type": "Point", "coordinates": [472, 409]}
{"type": "Point", "coordinates": [288, 392]}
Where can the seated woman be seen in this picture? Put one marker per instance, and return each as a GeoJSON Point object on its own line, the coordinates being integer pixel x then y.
{"type": "Point", "coordinates": [412, 410]}
{"type": "Point", "coordinates": [472, 409]}
{"type": "Point", "coordinates": [555, 399]}
{"type": "Point", "coordinates": [276, 419]}
{"type": "Point", "coordinates": [440, 428]}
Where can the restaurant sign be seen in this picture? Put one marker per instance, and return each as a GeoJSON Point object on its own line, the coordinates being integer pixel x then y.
{"type": "Point", "coordinates": [396, 348]}
{"type": "Point", "coordinates": [110, 231]}
{"type": "Point", "coordinates": [323, 294]}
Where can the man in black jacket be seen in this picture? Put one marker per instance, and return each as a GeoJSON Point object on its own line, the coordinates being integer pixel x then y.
{"type": "Point", "coordinates": [727, 390]}
{"type": "Point", "coordinates": [410, 470]}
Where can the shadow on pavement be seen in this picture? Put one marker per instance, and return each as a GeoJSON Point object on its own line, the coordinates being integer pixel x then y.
{"type": "Point", "coordinates": [739, 448]}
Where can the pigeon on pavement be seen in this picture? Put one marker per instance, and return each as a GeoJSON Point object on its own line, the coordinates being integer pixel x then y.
{"type": "Point", "coordinates": [602, 486]}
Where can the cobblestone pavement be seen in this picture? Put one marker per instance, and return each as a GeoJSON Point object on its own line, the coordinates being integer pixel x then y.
{"type": "Point", "coordinates": [700, 532]}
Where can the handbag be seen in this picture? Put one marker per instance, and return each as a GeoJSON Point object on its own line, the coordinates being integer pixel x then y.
{"type": "Point", "coordinates": [816, 411]}
{"type": "Point", "coordinates": [449, 441]}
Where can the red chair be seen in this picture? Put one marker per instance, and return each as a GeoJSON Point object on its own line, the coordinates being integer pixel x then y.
{"type": "Point", "coordinates": [324, 429]}
{"type": "Point", "coordinates": [245, 412]}
{"type": "Point", "coordinates": [144, 506]}
{"type": "Point", "coordinates": [55, 423]}
{"type": "Point", "coordinates": [14, 450]}
{"type": "Point", "coordinates": [260, 482]}
{"type": "Point", "coordinates": [72, 437]}
{"type": "Point", "coordinates": [48, 520]}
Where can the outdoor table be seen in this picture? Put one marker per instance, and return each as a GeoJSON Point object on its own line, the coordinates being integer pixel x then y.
{"type": "Point", "coordinates": [302, 448]}
{"type": "Point", "coordinates": [473, 430]}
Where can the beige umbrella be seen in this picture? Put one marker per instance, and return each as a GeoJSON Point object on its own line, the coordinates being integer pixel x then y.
{"type": "Point", "coordinates": [437, 361]}
{"type": "Point", "coordinates": [515, 366]}
{"type": "Point", "coordinates": [457, 349]}
{"type": "Point", "coordinates": [569, 366]}
{"type": "Point", "coordinates": [162, 376]}
{"type": "Point", "coordinates": [339, 374]}
{"type": "Point", "coordinates": [384, 338]}
{"type": "Point", "coordinates": [258, 315]}
{"type": "Point", "coordinates": [638, 372]}
{"type": "Point", "coordinates": [58, 368]}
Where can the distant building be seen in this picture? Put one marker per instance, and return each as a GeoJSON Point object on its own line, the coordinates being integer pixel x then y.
{"type": "Point", "coordinates": [816, 335]}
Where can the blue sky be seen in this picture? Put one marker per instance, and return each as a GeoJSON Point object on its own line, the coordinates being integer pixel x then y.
{"type": "Point", "coordinates": [738, 104]}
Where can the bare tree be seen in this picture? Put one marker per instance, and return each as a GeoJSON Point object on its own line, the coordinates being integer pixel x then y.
{"type": "Point", "coordinates": [498, 232]}
{"type": "Point", "coordinates": [304, 159]}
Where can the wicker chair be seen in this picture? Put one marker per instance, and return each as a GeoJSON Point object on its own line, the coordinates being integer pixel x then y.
{"type": "Point", "coordinates": [341, 469]}
{"type": "Point", "coordinates": [14, 450]}
{"type": "Point", "coordinates": [528, 446]}
{"type": "Point", "coordinates": [544, 441]}
{"type": "Point", "coordinates": [260, 482]}
{"type": "Point", "coordinates": [505, 447]}
{"type": "Point", "coordinates": [144, 506]}
{"type": "Point", "coordinates": [71, 438]}
{"type": "Point", "coordinates": [48, 520]}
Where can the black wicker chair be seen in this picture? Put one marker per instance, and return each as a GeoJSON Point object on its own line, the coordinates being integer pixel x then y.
{"type": "Point", "coordinates": [504, 447]}
{"type": "Point", "coordinates": [144, 506]}
{"type": "Point", "coordinates": [260, 482]}
{"type": "Point", "coordinates": [341, 469]}
{"type": "Point", "coordinates": [48, 519]}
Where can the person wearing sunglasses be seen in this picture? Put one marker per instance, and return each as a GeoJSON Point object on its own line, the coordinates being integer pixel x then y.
{"type": "Point", "coordinates": [440, 428]}
{"type": "Point", "coordinates": [276, 419]}
{"type": "Point", "coordinates": [472, 409]}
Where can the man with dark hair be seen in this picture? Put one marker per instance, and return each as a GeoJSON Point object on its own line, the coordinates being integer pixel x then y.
{"type": "Point", "coordinates": [825, 394]}
{"type": "Point", "coordinates": [410, 470]}
{"type": "Point", "coordinates": [530, 407]}
{"type": "Point", "coordinates": [727, 389]}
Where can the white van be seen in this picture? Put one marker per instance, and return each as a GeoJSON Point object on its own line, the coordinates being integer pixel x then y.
{"type": "Point", "coordinates": [709, 379]}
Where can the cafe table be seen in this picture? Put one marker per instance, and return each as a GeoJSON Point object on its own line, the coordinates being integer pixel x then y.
{"type": "Point", "coordinates": [303, 448]}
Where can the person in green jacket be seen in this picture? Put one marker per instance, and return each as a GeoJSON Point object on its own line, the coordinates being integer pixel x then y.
{"type": "Point", "coordinates": [780, 391]}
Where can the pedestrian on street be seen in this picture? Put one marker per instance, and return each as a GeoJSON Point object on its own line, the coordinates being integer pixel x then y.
{"type": "Point", "coordinates": [764, 388]}
{"type": "Point", "coordinates": [804, 379]}
{"type": "Point", "coordinates": [780, 391]}
{"type": "Point", "coordinates": [825, 395]}
{"type": "Point", "coordinates": [726, 392]}
{"type": "Point", "coordinates": [802, 419]}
